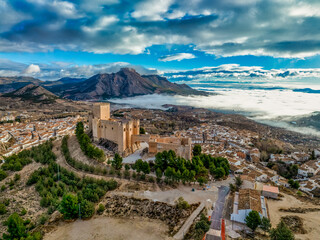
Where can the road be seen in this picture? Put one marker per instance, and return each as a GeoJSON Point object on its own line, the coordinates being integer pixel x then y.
{"type": "Point", "coordinates": [217, 212]}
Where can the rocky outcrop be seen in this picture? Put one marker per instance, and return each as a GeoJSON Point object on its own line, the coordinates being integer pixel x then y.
{"type": "Point", "coordinates": [121, 206]}
{"type": "Point", "coordinates": [125, 83]}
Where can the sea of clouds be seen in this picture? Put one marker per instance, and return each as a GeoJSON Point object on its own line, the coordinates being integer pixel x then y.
{"type": "Point", "coordinates": [276, 101]}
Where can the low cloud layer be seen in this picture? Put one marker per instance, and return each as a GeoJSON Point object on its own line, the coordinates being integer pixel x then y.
{"type": "Point", "coordinates": [279, 28]}
{"type": "Point", "coordinates": [237, 71]}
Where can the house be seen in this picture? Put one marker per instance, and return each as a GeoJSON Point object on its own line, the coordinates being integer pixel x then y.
{"type": "Point", "coordinates": [309, 168]}
{"type": "Point", "coordinates": [317, 153]}
{"type": "Point", "coordinates": [270, 191]}
{"type": "Point", "coordinates": [245, 201]}
{"type": "Point", "coordinates": [300, 157]}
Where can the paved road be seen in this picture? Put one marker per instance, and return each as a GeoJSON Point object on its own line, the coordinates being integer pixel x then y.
{"type": "Point", "coordinates": [187, 224]}
{"type": "Point", "coordinates": [217, 212]}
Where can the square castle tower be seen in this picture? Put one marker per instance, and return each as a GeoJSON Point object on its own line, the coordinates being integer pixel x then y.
{"type": "Point", "coordinates": [114, 130]}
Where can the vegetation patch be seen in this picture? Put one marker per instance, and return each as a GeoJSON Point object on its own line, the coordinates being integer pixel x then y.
{"type": "Point", "coordinates": [63, 190]}
{"type": "Point", "coordinates": [85, 144]}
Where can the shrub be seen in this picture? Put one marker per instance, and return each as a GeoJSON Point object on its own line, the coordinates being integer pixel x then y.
{"type": "Point", "coordinates": [86, 209]}
{"type": "Point", "coordinates": [23, 212]}
{"type": "Point", "coordinates": [3, 175]}
{"type": "Point", "coordinates": [17, 177]}
{"type": "Point", "coordinates": [3, 209]}
{"type": "Point", "coordinates": [101, 208]}
{"type": "Point", "coordinates": [182, 204]}
{"type": "Point", "coordinates": [69, 206]}
{"type": "Point", "coordinates": [281, 232]}
{"type": "Point", "coordinates": [43, 219]}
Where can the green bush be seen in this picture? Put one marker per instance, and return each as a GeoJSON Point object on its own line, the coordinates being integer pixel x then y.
{"type": "Point", "coordinates": [182, 204]}
{"type": "Point", "coordinates": [3, 209]}
{"type": "Point", "coordinates": [86, 146]}
{"type": "Point", "coordinates": [69, 206]}
{"type": "Point", "coordinates": [101, 208]}
{"type": "Point", "coordinates": [3, 174]}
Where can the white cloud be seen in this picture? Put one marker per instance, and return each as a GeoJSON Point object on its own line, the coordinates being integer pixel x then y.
{"type": "Point", "coordinates": [151, 9]}
{"type": "Point", "coordinates": [177, 57]}
{"type": "Point", "coordinates": [101, 24]}
{"type": "Point", "coordinates": [31, 69]}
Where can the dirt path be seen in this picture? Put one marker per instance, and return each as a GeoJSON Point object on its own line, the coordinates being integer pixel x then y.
{"type": "Point", "coordinates": [62, 162]}
{"type": "Point", "coordinates": [106, 228]}
{"type": "Point", "coordinates": [311, 220]}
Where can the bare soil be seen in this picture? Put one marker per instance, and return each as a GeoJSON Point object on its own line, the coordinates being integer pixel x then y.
{"type": "Point", "coordinates": [107, 228]}
{"type": "Point", "coordinates": [311, 220]}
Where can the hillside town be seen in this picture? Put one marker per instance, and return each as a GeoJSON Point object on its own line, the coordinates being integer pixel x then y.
{"type": "Point", "coordinates": [17, 136]}
{"type": "Point", "coordinates": [257, 175]}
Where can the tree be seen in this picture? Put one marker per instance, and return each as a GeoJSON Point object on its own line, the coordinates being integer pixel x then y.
{"type": "Point", "coordinates": [86, 209]}
{"type": "Point", "coordinates": [69, 206]}
{"type": "Point", "coordinates": [145, 168]}
{"type": "Point", "coordinates": [16, 228]}
{"type": "Point", "coordinates": [139, 165]}
{"type": "Point", "coordinates": [117, 162]}
{"type": "Point", "coordinates": [142, 130]}
{"type": "Point", "coordinates": [201, 180]}
{"type": "Point", "coordinates": [192, 174]}
{"type": "Point", "coordinates": [158, 174]}
{"type": "Point", "coordinates": [196, 150]}
{"type": "Point", "coordinates": [265, 224]}
{"type": "Point", "coordinates": [253, 220]}
{"type": "Point", "coordinates": [238, 182]}
{"type": "Point", "coordinates": [294, 184]}
{"type": "Point", "coordinates": [281, 232]}
{"type": "Point", "coordinates": [219, 172]}
{"type": "Point", "coordinates": [185, 175]}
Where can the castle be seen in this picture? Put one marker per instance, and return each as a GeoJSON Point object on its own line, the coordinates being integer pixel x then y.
{"type": "Point", "coordinates": [126, 134]}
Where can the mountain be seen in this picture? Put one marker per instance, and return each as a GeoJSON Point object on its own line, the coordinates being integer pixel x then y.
{"type": "Point", "coordinates": [33, 93]}
{"type": "Point", "coordinates": [125, 83]}
{"type": "Point", "coordinates": [9, 84]}
{"type": "Point", "coordinates": [61, 81]}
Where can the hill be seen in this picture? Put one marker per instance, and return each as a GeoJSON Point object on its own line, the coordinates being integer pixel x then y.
{"type": "Point", "coordinates": [9, 84]}
{"type": "Point", "coordinates": [125, 83]}
{"type": "Point", "coordinates": [33, 93]}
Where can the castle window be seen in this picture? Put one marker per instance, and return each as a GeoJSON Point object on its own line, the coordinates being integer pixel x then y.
{"type": "Point", "coordinates": [124, 129]}
{"type": "Point", "coordinates": [112, 128]}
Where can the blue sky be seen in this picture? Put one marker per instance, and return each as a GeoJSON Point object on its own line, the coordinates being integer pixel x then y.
{"type": "Point", "coordinates": [49, 39]}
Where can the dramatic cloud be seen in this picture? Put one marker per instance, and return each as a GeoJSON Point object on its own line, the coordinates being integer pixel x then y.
{"type": "Point", "coordinates": [287, 28]}
{"type": "Point", "coordinates": [57, 70]}
{"type": "Point", "coordinates": [31, 69]}
{"type": "Point", "coordinates": [177, 57]}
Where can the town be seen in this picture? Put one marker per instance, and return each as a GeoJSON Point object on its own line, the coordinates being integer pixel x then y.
{"type": "Point", "coordinates": [259, 172]}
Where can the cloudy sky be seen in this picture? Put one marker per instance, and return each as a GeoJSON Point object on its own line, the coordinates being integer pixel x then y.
{"type": "Point", "coordinates": [54, 38]}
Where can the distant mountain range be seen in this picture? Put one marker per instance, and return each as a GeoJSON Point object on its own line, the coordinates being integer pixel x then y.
{"type": "Point", "coordinates": [125, 83]}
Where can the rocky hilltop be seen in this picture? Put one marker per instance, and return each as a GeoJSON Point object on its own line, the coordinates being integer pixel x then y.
{"type": "Point", "coordinates": [125, 83]}
{"type": "Point", "coordinates": [33, 93]}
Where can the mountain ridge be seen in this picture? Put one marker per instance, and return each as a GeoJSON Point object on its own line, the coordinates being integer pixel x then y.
{"type": "Point", "coordinates": [124, 83]}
